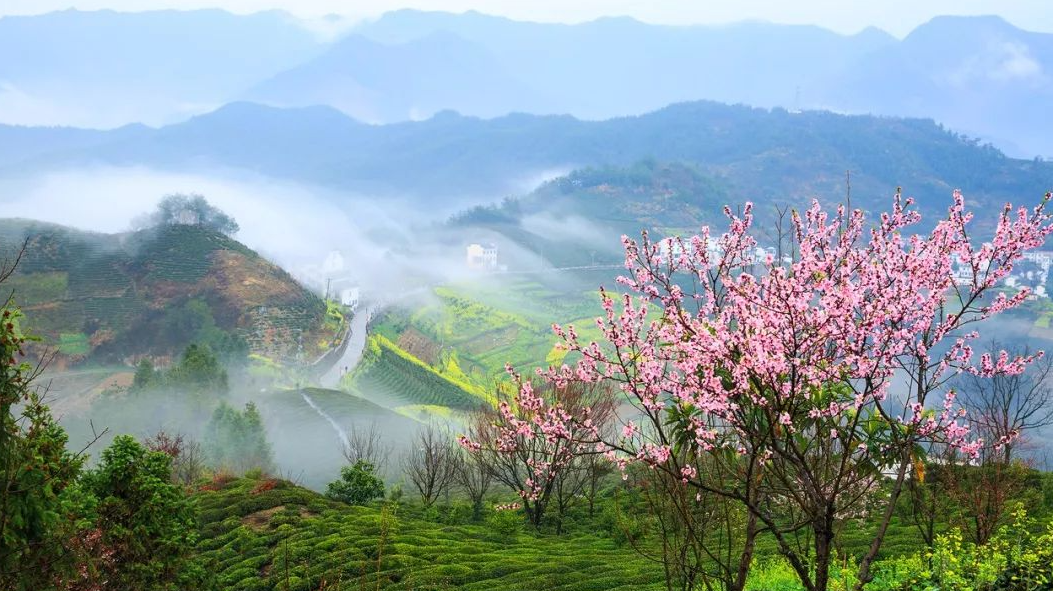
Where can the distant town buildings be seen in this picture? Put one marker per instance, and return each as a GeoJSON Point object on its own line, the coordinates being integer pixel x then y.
{"type": "Point", "coordinates": [1031, 272]}
{"type": "Point", "coordinates": [1042, 258]}
{"type": "Point", "coordinates": [482, 257]}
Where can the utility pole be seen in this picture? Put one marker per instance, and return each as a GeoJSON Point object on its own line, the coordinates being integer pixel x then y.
{"type": "Point", "coordinates": [848, 190]}
{"type": "Point", "coordinates": [328, 282]}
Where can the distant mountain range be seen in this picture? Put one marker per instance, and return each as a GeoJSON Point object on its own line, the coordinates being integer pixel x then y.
{"type": "Point", "coordinates": [106, 69]}
{"type": "Point", "coordinates": [450, 160]}
{"type": "Point", "coordinates": [977, 75]}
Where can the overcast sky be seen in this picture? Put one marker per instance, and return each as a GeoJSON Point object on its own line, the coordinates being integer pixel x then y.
{"type": "Point", "coordinates": [895, 16]}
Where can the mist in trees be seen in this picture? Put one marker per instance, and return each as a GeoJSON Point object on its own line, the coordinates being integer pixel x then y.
{"type": "Point", "coordinates": [198, 370]}
{"type": "Point", "coordinates": [191, 210]}
{"type": "Point", "coordinates": [236, 441]}
{"type": "Point", "coordinates": [121, 525]}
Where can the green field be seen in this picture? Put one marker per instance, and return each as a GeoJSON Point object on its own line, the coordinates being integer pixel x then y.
{"type": "Point", "coordinates": [485, 325]}
{"type": "Point", "coordinates": [388, 373]}
{"type": "Point", "coordinates": [289, 538]}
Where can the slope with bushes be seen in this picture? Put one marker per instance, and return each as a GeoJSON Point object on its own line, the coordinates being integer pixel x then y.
{"type": "Point", "coordinates": [110, 296]}
{"type": "Point", "coordinates": [266, 534]}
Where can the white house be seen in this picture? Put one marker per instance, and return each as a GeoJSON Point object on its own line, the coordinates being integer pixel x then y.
{"type": "Point", "coordinates": [1042, 258]}
{"type": "Point", "coordinates": [482, 257]}
{"type": "Point", "coordinates": [349, 297]}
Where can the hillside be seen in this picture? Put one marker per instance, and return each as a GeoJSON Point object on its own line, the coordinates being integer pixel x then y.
{"type": "Point", "coordinates": [399, 378]}
{"type": "Point", "coordinates": [306, 428]}
{"type": "Point", "coordinates": [267, 535]}
{"type": "Point", "coordinates": [612, 200]}
{"type": "Point", "coordinates": [469, 331]}
{"type": "Point", "coordinates": [976, 74]}
{"type": "Point", "coordinates": [113, 296]}
{"type": "Point", "coordinates": [759, 155]}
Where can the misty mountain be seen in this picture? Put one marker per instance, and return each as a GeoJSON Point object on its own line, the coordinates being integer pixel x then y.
{"type": "Point", "coordinates": [605, 68]}
{"type": "Point", "coordinates": [380, 83]}
{"type": "Point", "coordinates": [109, 297]}
{"type": "Point", "coordinates": [451, 160]}
{"type": "Point", "coordinates": [978, 75]}
{"type": "Point", "coordinates": [105, 68]}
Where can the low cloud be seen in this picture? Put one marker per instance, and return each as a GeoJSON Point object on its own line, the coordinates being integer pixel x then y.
{"type": "Point", "coordinates": [1003, 61]}
{"type": "Point", "coordinates": [294, 225]}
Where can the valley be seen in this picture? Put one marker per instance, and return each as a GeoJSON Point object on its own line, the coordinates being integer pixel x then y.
{"type": "Point", "coordinates": [599, 299]}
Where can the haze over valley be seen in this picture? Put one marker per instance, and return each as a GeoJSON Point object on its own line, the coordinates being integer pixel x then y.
{"type": "Point", "coordinates": [454, 300]}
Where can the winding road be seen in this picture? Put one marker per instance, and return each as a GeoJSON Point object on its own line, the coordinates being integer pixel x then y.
{"type": "Point", "coordinates": [356, 342]}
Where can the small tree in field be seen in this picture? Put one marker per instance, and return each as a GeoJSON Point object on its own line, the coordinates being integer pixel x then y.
{"type": "Point", "coordinates": [546, 471]}
{"type": "Point", "coordinates": [474, 477]}
{"type": "Point", "coordinates": [791, 364]}
{"type": "Point", "coordinates": [358, 484]}
{"type": "Point", "coordinates": [431, 464]}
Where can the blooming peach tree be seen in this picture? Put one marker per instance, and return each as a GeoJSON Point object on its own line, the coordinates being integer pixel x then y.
{"type": "Point", "coordinates": [828, 370]}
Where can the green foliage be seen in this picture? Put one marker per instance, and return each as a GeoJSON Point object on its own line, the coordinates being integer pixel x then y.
{"type": "Point", "coordinates": [358, 484]}
{"type": "Point", "coordinates": [506, 522]}
{"type": "Point", "coordinates": [772, 575]}
{"type": "Point", "coordinates": [236, 441]}
{"type": "Point", "coordinates": [148, 524]}
{"type": "Point", "coordinates": [391, 370]}
{"type": "Point", "coordinates": [199, 370]}
{"type": "Point", "coordinates": [36, 472]}
{"type": "Point", "coordinates": [146, 377]}
{"type": "Point", "coordinates": [193, 322]}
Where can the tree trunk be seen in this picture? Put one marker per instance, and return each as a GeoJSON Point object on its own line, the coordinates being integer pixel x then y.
{"type": "Point", "coordinates": [824, 537]}
{"type": "Point", "coordinates": [746, 559]}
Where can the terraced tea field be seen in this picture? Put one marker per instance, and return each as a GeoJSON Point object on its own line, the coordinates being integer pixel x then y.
{"type": "Point", "coordinates": [498, 320]}
{"type": "Point", "coordinates": [391, 376]}
{"type": "Point", "coordinates": [262, 535]}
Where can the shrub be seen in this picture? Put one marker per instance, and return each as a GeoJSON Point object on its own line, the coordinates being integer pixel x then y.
{"type": "Point", "coordinates": [148, 524]}
{"type": "Point", "coordinates": [506, 522]}
{"type": "Point", "coordinates": [358, 484]}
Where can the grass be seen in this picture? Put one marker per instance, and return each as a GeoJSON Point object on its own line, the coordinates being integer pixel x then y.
{"type": "Point", "coordinates": [480, 327]}
{"type": "Point", "coordinates": [264, 535]}
{"type": "Point", "coordinates": [74, 344]}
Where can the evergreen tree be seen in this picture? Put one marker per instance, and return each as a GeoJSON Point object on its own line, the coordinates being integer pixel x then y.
{"type": "Point", "coordinates": [237, 441]}
{"type": "Point", "coordinates": [146, 377]}
{"type": "Point", "coordinates": [199, 370]}
{"type": "Point", "coordinates": [147, 524]}
{"type": "Point", "coordinates": [37, 473]}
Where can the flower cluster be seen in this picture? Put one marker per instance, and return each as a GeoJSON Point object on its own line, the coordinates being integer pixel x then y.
{"type": "Point", "coordinates": [800, 346]}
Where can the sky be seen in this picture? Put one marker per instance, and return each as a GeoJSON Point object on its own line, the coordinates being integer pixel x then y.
{"type": "Point", "coordinates": [847, 16]}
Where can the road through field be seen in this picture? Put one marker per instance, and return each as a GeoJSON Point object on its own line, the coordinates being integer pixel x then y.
{"type": "Point", "coordinates": [352, 352]}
